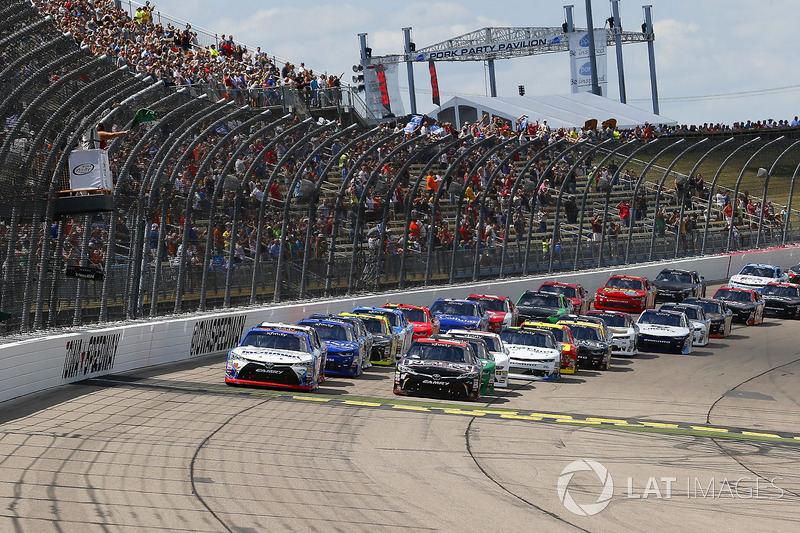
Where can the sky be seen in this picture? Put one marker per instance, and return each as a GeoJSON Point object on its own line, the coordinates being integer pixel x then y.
{"type": "Point", "coordinates": [716, 60]}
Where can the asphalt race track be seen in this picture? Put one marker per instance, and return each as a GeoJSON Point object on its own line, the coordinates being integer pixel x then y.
{"type": "Point", "coordinates": [709, 441]}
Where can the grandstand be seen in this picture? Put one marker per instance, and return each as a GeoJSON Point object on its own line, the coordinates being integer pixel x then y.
{"type": "Point", "coordinates": [234, 197]}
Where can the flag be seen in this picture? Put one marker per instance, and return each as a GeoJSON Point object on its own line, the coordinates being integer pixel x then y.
{"type": "Point", "coordinates": [383, 88]}
{"type": "Point", "coordinates": [222, 130]}
{"type": "Point", "coordinates": [437, 130]}
{"type": "Point", "coordinates": [11, 121]}
{"type": "Point", "coordinates": [524, 124]}
{"type": "Point", "coordinates": [415, 121]}
{"type": "Point", "coordinates": [143, 115]}
{"type": "Point", "coordinates": [434, 82]}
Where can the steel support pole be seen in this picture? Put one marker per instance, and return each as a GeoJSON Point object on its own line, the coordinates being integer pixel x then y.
{"type": "Point", "coordinates": [651, 55]}
{"type": "Point", "coordinates": [412, 97]}
{"type": "Point", "coordinates": [592, 49]}
{"type": "Point", "coordinates": [618, 44]}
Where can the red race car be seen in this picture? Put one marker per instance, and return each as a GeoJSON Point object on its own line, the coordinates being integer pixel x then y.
{"type": "Point", "coordinates": [502, 311]}
{"type": "Point", "coordinates": [425, 324]}
{"type": "Point", "coordinates": [626, 293]}
{"type": "Point", "coordinates": [575, 293]}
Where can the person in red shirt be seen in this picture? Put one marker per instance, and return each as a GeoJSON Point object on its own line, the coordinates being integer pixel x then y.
{"type": "Point", "coordinates": [624, 213]}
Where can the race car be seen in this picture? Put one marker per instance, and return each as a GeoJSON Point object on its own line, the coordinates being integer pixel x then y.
{"type": "Point", "coordinates": [626, 293]}
{"type": "Point", "coordinates": [534, 354]}
{"type": "Point", "coordinates": [363, 337]}
{"type": "Point", "coordinates": [496, 348]}
{"type": "Point", "coordinates": [746, 305]}
{"type": "Point", "coordinates": [794, 274]}
{"type": "Point", "coordinates": [781, 300]}
{"type": "Point", "coordinates": [579, 297]}
{"type": "Point", "coordinates": [665, 332]}
{"type": "Point", "coordinates": [313, 337]}
{"type": "Point", "coordinates": [593, 343]}
{"type": "Point", "coordinates": [674, 285]}
{"type": "Point", "coordinates": [697, 317]}
{"type": "Point", "coordinates": [502, 311]}
{"type": "Point", "coordinates": [275, 358]}
{"type": "Point", "coordinates": [755, 276]}
{"type": "Point", "coordinates": [460, 314]}
{"type": "Point", "coordinates": [536, 304]}
{"type": "Point", "coordinates": [623, 329]}
{"type": "Point", "coordinates": [716, 310]}
{"type": "Point", "coordinates": [563, 335]}
{"type": "Point", "coordinates": [481, 351]}
{"type": "Point", "coordinates": [420, 318]}
{"type": "Point", "coordinates": [401, 326]}
{"type": "Point", "coordinates": [345, 357]}
{"type": "Point", "coordinates": [384, 339]}
{"type": "Point", "coordinates": [433, 367]}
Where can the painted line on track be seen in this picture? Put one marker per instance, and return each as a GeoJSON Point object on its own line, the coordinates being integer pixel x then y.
{"type": "Point", "coordinates": [421, 406]}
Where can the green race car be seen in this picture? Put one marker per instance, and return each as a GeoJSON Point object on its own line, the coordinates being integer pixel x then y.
{"type": "Point", "coordinates": [484, 356]}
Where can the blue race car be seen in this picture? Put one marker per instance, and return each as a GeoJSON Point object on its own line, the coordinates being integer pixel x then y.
{"type": "Point", "coordinates": [460, 314]}
{"type": "Point", "coordinates": [345, 357]}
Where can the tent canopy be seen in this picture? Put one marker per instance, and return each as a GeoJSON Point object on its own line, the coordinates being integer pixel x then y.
{"type": "Point", "coordinates": [560, 111]}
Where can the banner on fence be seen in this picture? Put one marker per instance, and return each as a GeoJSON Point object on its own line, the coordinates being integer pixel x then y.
{"type": "Point", "coordinates": [89, 169]}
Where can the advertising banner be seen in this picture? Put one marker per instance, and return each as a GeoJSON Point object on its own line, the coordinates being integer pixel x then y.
{"type": "Point", "coordinates": [380, 86]}
{"type": "Point", "coordinates": [89, 169]}
{"type": "Point", "coordinates": [580, 64]}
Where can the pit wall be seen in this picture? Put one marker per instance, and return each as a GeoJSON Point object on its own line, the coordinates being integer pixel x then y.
{"type": "Point", "coordinates": [38, 364]}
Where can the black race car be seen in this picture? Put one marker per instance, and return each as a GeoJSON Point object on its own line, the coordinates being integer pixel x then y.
{"type": "Point", "coordinates": [746, 305]}
{"type": "Point", "coordinates": [781, 300]}
{"type": "Point", "coordinates": [434, 367]}
{"type": "Point", "coordinates": [718, 312]}
{"type": "Point", "coordinates": [794, 274]}
{"type": "Point", "coordinates": [539, 304]}
{"type": "Point", "coordinates": [675, 285]}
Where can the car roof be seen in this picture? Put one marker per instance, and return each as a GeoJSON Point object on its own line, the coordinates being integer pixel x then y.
{"type": "Point", "coordinates": [541, 292]}
{"type": "Point", "coordinates": [392, 305]}
{"type": "Point", "coordinates": [727, 288]}
{"type": "Point", "coordinates": [560, 284]}
{"type": "Point", "coordinates": [436, 340]}
{"type": "Point", "coordinates": [324, 321]}
{"type": "Point", "coordinates": [367, 317]}
{"type": "Point", "coordinates": [600, 312]}
{"type": "Point", "coordinates": [625, 276]}
{"type": "Point", "coordinates": [456, 300]}
{"type": "Point", "coordinates": [675, 305]}
{"type": "Point", "coordinates": [759, 265]}
{"type": "Point", "coordinates": [531, 324]}
{"type": "Point", "coordinates": [665, 311]}
{"type": "Point", "coordinates": [782, 284]}
{"type": "Point", "coordinates": [488, 297]}
{"type": "Point", "coordinates": [677, 271]}
{"type": "Point", "coordinates": [590, 324]}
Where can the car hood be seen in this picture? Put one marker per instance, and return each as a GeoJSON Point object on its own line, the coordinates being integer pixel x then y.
{"type": "Point", "coordinates": [740, 305]}
{"type": "Point", "coordinates": [457, 319]}
{"type": "Point", "coordinates": [341, 346]}
{"type": "Point", "coordinates": [497, 316]}
{"type": "Point", "coordinates": [657, 330]}
{"type": "Point", "coordinates": [617, 292]}
{"type": "Point", "coordinates": [672, 285]}
{"type": "Point", "coordinates": [591, 345]}
{"type": "Point", "coordinates": [521, 351]}
{"type": "Point", "coordinates": [422, 326]}
{"type": "Point", "coordinates": [784, 299]}
{"type": "Point", "coordinates": [537, 311]}
{"type": "Point", "coordinates": [445, 368]}
{"type": "Point", "coordinates": [271, 355]}
{"type": "Point", "coordinates": [751, 280]}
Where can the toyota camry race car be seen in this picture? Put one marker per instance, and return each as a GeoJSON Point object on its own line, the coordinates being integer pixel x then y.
{"type": "Point", "coordinates": [624, 331]}
{"type": "Point", "coordinates": [384, 339]}
{"type": "Point", "coordinates": [563, 335]}
{"type": "Point", "coordinates": [481, 351]}
{"type": "Point", "coordinates": [534, 354]}
{"type": "Point", "coordinates": [626, 293]}
{"type": "Point", "coordinates": [579, 297]}
{"type": "Point", "coordinates": [502, 311]}
{"type": "Point", "coordinates": [593, 342]}
{"type": "Point", "coordinates": [460, 314]}
{"type": "Point", "coordinates": [535, 305]}
{"type": "Point", "coordinates": [345, 357]}
{"type": "Point", "coordinates": [721, 317]}
{"type": "Point", "coordinates": [665, 332]}
{"type": "Point", "coordinates": [755, 276]}
{"type": "Point", "coordinates": [398, 322]}
{"type": "Point", "coordinates": [275, 358]}
{"type": "Point", "coordinates": [781, 300]}
{"type": "Point", "coordinates": [313, 339]}
{"type": "Point", "coordinates": [697, 317]}
{"type": "Point", "coordinates": [439, 368]}
{"type": "Point", "coordinates": [746, 305]}
{"type": "Point", "coordinates": [420, 317]}
{"type": "Point", "coordinates": [675, 285]}
{"type": "Point", "coordinates": [363, 337]}
{"type": "Point", "coordinates": [496, 348]}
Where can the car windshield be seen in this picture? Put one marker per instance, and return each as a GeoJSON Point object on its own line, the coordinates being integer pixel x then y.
{"type": "Point", "coordinates": [569, 292]}
{"type": "Point", "coordinates": [690, 312]}
{"type": "Point", "coordinates": [626, 283]}
{"type": "Point", "coordinates": [559, 333]}
{"type": "Point", "coordinates": [612, 320]}
{"type": "Point", "coordinates": [762, 272]}
{"type": "Point", "coordinates": [675, 277]}
{"type": "Point", "coordinates": [442, 307]}
{"type": "Point", "coordinates": [331, 332]}
{"type": "Point", "coordinates": [709, 306]}
{"type": "Point", "coordinates": [781, 290]}
{"type": "Point", "coordinates": [394, 320]}
{"type": "Point", "coordinates": [490, 304]}
{"type": "Point", "coordinates": [527, 338]}
{"type": "Point", "coordinates": [539, 300]}
{"type": "Point", "coordinates": [585, 333]}
{"type": "Point", "coordinates": [439, 352]}
{"type": "Point", "coordinates": [661, 319]}
{"type": "Point", "coordinates": [414, 315]}
{"type": "Point", "coordinates": [375, 325]}
{"type": "Point", "coordinates": [492, 343]}
{"type": "Point", "coordinates": [277, 340]}
{"type": "Point", "coordinates": [479, 349]}
{"type": "Point", "coordinates": [733, 295]}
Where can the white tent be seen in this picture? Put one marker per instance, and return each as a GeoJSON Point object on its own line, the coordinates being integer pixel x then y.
{"type": "Point", "coordinates": [560, 111]}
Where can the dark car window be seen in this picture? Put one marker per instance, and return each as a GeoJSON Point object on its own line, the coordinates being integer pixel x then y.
{"type": "Point", "coordinates": [675, 277]}
{"type": "Point", "coordinates": [490, 304]}
{"type": "Point", "coordinates": [454, 308]}
{"type": "Point", "coordinates": [439, 352]}
{"type": "Point", "coordinates": [527, 339]}
{"type": "Point", "coordinates": [414, 315]}
{"type": "Point", "coordinates": [539, 300]}
{"type": "Point", "coordinates": [781, 290]}
{"type": "Point", "coordinates": [662, 319]}
{"type": "Point", "coordinates": [763, 272]}
{"type": "Point", "coordinates": [626, 283]}
{"type": "Point", "coordinates": [708, 306]}
{"type": "Point", "coordinates": [569, 292]}
{"type": "Point", "coordinates": [734, 296]}
{"type": "Point", "coordinates": [585, 333]}
{"type": "Point", "coordinates": [394, 320]}
{"type": "Point", "coordinates": [274, 339]}
{"type": "Point", "coordinates": [375, 325]}
{"type": "Point", "coordinates": [690, 312]}
{"type": "Point", "coordinates": [331, 332]}
{"type": "Point", "coordinates": [612, 320]}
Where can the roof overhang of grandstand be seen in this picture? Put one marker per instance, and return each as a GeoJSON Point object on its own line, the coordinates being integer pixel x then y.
{"type": "Point", "coordinates": [560, 111]}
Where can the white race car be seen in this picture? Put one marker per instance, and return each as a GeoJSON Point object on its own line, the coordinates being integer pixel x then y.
{"type": "Point", "coordinates": [496, 348]}
{"type": "Point", "coordinates": [624, 331]}
{"type": "Point", "coordinates": [534, 354]}
{"type": "Point", "coordinates": [697, 316]}
{"type": "Point", "coordinates": [665, 332]}
{"type": "Point", "coordinates": [755, 276]}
